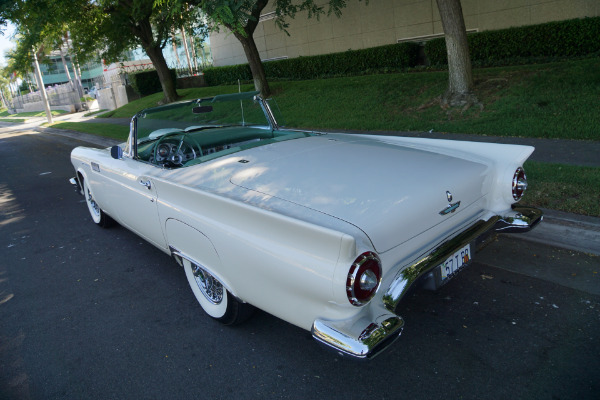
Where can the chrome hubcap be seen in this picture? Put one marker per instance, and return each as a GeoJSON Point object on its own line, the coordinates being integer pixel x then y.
{"type": "Point", "coordinates": [210, 287]}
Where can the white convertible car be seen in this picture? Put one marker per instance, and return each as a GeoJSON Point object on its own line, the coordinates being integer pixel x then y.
{"type": "Point", "coordinates": [325, 231]}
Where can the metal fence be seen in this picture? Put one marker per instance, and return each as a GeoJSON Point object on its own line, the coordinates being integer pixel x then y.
{"type": "Point", "coordinates": [60, 95]}
{"type": "Point", "coordinates": [62, 98]}
{"type": "Point", "coordinates": [113, 80]}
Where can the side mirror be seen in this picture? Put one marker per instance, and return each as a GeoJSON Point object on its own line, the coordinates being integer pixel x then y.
{"type": "Point", "coordinates": [116, 152]}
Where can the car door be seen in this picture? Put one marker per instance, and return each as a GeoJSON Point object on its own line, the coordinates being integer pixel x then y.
{"type": "Point", "coordinates": [131, 194]}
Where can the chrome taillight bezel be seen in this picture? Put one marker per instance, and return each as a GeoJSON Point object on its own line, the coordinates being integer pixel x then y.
{"type": "Point", "coordinates": [519, 184]}
{"type": "Point", "coordinates": [367, 261]}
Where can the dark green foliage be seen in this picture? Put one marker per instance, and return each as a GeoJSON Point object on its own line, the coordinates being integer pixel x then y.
{"type": "Point", "coordinates": [147, 82]}
{"type": "Point", "coordinates": [394, 57]}
{"type": "Point", "coordinates": [227, 75]}
{"type": "Point", "coordinates": [563, 39]}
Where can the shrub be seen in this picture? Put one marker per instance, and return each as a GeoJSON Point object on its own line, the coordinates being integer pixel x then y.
{"type": "Point", "coordinates": [352, 62]}
{"type": "Point", "coordinates": [227, 75]}
{"type": "Point", "coordinates": [147, 82]}
{"type": "Point", "coordinates": [562, 39]}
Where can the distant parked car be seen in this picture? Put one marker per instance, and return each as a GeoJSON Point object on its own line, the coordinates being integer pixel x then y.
{"type": "Point", "coordinates": [327, 231]}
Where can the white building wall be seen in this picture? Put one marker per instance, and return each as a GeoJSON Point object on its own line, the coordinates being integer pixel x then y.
{"type": "Point", "coordinates": [384, 22]}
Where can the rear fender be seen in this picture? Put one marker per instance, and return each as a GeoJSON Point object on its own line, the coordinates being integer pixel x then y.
{"type": "Point", "coordinates": [187, 242]}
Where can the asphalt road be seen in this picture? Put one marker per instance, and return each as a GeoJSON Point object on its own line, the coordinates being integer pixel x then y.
{"type": "Point", "coordinates": [91, 313]}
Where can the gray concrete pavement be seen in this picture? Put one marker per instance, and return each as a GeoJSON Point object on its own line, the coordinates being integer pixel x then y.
{"type": "Point", "coordinates": [91, 313]}
{"type": "Point", "coordinates": [567, 231]}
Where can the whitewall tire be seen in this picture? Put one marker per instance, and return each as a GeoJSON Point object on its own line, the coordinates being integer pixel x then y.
{"type": "Point", "coordinates": [214, 299]}
{"type": "Point", "coordinates": [98, 216]}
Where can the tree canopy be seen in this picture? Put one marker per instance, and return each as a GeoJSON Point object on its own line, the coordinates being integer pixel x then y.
{"type": "Point", "coordinates": [98, 29]}
{"type": "Point", "coordinates": [241, 17]}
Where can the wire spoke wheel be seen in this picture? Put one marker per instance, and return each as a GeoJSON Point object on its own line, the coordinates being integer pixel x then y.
{"type": "Point", "coordinates": [210, 287]}
{"type": "Point", "coordinates": [213, 297]}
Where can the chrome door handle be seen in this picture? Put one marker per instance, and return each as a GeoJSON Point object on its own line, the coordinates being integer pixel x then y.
{"type": "Point", "coordinates": [146, 183]}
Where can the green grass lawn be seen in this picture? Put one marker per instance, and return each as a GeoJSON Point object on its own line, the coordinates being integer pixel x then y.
{"type": "Point", "coordinates": [556, 100]}
{"type": "Point", "coordinates": [13, 120]}
{"type": "Point", "coordinates": [563, 187]}
{"type": "Point", "coordinates": [559, 100]}
{"type": "Point", "coordinates": [4, 113]}
{"type": "Point", "coordinates": [113, 131]}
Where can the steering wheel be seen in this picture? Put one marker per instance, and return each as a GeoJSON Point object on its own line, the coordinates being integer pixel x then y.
{"type": "Point", "coordinates": [175, 158]}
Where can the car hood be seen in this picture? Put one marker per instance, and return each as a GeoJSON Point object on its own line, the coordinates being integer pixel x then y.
{"type": "Point", "coordinates": [390, 192]}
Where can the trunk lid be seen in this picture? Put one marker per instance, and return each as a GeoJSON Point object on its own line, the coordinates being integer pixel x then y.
{"type": "Point", "coordinates": [392, 193]}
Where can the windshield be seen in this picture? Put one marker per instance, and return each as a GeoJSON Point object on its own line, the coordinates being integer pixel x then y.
{"type": "Point", "coordinates": [191, 132]}
{"type": "Point", "coordinates": [239, 109]}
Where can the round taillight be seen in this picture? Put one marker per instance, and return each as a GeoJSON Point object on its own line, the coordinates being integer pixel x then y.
{"type": "Point", "coordinates": [519, 184]}
{"type": "Point", "coordinates": [364, 278]}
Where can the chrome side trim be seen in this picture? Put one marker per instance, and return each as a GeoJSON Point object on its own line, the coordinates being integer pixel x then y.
{"type": "Point", "coordinates": [362, 340]}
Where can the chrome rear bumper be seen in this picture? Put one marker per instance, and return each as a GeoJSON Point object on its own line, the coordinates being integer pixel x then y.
{"type": "Point", "coordinates": [521, 219]}
{"type": "Point", "coordinates": [381, 326]}
{"type": "Point", "coordinates": [361, 339]}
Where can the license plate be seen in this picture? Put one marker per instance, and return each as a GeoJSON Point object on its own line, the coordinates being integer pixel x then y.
{"type": "Point", "coordinates": [455, 262]}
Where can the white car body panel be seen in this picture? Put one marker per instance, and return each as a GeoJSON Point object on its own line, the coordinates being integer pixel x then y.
{"type": "Point", "coordinates": [280, 225]}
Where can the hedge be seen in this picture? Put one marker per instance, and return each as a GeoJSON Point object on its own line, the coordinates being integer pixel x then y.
{"type": "Point", "coordinates": [147, 82]}
{"type": "Point", "coordinates": [352, 62]}
{"type": "Point", "coordinates": [570, 38]}
{"type": "Point", "coordinates": [226, 75]}
{"type": "Point", "coordinates": [563, 39]}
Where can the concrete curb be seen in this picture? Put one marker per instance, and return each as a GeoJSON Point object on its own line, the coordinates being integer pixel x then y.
{"type": "Point", "coordinates": [568, 231]}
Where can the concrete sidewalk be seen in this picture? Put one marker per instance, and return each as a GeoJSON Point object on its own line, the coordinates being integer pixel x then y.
{"type": "Point", "coordinates": [559, 229]}
{"type": "Point", "coordinates": [72, 117]}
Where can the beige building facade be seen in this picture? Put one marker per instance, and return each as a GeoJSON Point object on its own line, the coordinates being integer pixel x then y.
{"type": "Point", "coordinates": [384, 22]}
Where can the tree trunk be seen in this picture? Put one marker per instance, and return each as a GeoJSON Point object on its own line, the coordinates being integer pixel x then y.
{"type": "Point", "coordinates": [4, 102]}
{"type": "Point", "coordinates": [460, 85]}
{"type": "Point", "coordinates": [187, 51]}
{"type": "Point", "coordinates": [256, 67]}
{"type": "Point", "coordinates": [247, 40]}
{"type": "Point", "coordinates": [40, 80]}
{"type": "Point", "coordinates": [78, 81]}
{"type": "Point", "coordinates": [142, 30]}
{"type": "Point", "coordinates": [164, 75]}
{"type": "Point", "coordinates": [194, 55]}
{"type": "Point", "coordinates": [78, 84]}
{"type": "Point", "coordinates": [174, 42]}
{"type": "Point", "coordinates": [62, 56]}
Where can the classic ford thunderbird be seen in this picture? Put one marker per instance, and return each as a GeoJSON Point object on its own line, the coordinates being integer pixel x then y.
{"type": "Point", "coordinates": [327, 231]}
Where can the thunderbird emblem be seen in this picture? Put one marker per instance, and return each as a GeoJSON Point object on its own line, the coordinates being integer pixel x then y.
{"type": "Point", "coordinates": [451, 207]}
